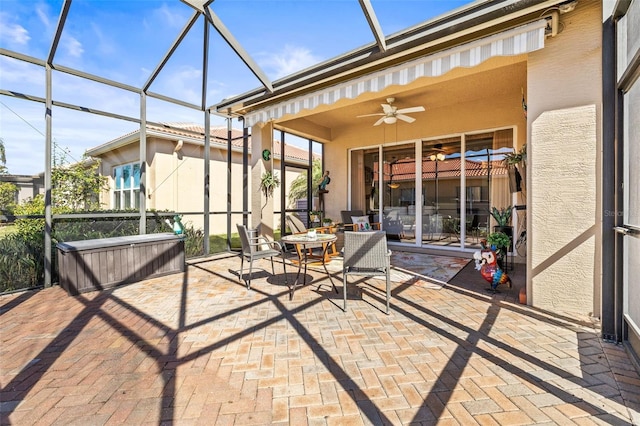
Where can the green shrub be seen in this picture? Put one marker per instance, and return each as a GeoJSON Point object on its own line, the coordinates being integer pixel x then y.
{"type": "Point", "coordinates": [7, 197]}
{"type": "Point", "coordinates": [21, 263]}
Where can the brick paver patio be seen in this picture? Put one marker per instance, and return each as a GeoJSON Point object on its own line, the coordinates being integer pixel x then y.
{"type": "Point", "coordinates": [199, 348]}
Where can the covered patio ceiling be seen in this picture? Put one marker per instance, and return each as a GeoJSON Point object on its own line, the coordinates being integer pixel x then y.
{"type": "Point", "coordinates": [496, 79]}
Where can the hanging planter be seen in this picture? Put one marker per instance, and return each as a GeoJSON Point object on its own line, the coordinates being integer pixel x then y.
{"type": "Point", "coordinates": [268, 183]}
{"type": "Point", "coordinates": [516, 163]}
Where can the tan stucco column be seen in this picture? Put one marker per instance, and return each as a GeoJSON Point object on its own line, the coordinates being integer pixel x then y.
{"type": "Point", "coordinates": [261, 207]}
{"type": "Point", "coordinates": [564, 220]}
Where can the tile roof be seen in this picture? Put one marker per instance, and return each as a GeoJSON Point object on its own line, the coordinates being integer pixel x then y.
{"type": "Point", "coordinates": [405, 170]}
{"type": "Point", "coordinates": [196, 131]}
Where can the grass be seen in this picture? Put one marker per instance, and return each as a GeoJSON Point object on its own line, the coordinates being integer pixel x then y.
{"type": "Point", "coordinates": [218, 243]}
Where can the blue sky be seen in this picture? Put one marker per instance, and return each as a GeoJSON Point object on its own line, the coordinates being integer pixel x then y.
{"type": "Point", "coordinates": [124, 40]}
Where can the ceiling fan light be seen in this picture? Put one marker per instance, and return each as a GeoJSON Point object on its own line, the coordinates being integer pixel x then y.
{"type": "Point", "coordinates": [440, 156]}
{"type": "Point", "coordinates": [394, 185]}
{"type": "Point", "coordinates": [389, 120]}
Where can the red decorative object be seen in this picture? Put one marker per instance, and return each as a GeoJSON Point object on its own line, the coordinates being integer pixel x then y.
{"type": "Point", "coordinates": [486, 262]}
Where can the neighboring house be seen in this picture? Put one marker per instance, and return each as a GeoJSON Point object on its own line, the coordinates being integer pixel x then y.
{"type": "Point", "coordinates": [175, 174]}
{"type": "Point", "coordinates": [28, 186]}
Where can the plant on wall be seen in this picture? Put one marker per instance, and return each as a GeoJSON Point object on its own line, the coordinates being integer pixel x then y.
{"type": "Point", "coordinates": [268, 183]}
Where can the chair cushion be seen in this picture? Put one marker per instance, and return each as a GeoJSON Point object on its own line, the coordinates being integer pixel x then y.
{"type": "Point", "coordinates": [362, 223]}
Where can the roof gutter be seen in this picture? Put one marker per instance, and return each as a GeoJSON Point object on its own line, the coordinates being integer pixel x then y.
{"type": "Point", "coordinates": [436, 34]}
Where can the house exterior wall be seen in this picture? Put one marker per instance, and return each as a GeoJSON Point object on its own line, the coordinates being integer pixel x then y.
{"type": "Point", "coordinates": [175, 181]}
{"type": "Point", "coordinates": [28, 186]}
{"type": "Point", "coordinates": [489, 111]}
{"type": "Point", "coordinates": [564, 195]}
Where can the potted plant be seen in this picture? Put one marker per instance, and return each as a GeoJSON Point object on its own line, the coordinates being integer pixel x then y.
{"type": "Point", "coordinates": [314, 215]}
{"type": "Point", "coordinates": [501, 242]}
{"type": "Point", "coordinates": [502, 217]}
{"type": "Point", "coordinates": [327, 221]}
{"type": "Point", "coordinates": [268, 183]}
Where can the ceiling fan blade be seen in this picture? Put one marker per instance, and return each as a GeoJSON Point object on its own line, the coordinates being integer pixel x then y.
{"type": "Point", "coordinates": [405, 118]}
{"type": "Point", "coordinates": [387, 109]}
{"type": "Point", "coordinates": [410, 110]}
{"type": "Point", "coordinates": [369, 115]}
{"type": "Point", "coordinates": [380, 121]}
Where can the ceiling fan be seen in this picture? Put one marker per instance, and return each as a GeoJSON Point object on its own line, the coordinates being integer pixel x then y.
{"type": "Point", "coordinates": [390, 113]}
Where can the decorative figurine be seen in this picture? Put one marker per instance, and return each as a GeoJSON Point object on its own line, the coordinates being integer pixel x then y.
{"type": "Point", "coordinates": [178, 227]}
{"type": "Point", "coordinates": [487, 264]}
{"type": "Point", "coordinates": [325, 181]}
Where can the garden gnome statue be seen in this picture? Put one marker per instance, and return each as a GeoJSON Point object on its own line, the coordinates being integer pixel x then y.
{"type": "Point", "coordinates": [486, 263]}
{"type": "Point", "coordinates": [325, 181]}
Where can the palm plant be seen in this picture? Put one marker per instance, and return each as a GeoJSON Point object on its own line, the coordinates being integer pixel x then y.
{"type": "Point", "coordinates": [298, 188]}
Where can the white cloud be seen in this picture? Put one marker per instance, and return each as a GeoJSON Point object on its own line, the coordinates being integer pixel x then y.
{"type": "Point", "coordinates": [13, 34]}
{"type": "Point", "coordinates": [73, 47]}
{"type": "Point", "coordinates": [105, 45]}
{"type": "Point", "coordinates": [170, 16]}
{"type": "Point", "coordinates": [185, 84]}
{"type": "Point", "coordinates": [288, 61]}
{"type": "Point", "coordinates": [22, 77]}
{"type": "Point", "coordinates": [43, 16]}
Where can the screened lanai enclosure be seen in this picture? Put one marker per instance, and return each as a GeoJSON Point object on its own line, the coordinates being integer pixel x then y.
{"type": "Point", "coordinates": [135, 109]}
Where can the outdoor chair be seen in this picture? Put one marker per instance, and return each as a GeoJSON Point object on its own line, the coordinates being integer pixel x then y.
{"type": "Point", "coordinates": [255, 247]}
{"type": "Point", "coordinates": [473, 228]}
{"type": "Point", "coordinates": [347, 219]}
{"type": "Point", "coordinates": [366, 254]}
{"type": "Point", "coordinates": [296, 226]}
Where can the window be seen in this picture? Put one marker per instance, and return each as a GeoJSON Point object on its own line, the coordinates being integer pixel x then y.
{"type": "Point", "coordinates": [126, 186]}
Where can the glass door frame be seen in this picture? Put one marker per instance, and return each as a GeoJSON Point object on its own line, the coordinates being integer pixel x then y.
{"type": "Point", "coordinates": [419, 186]}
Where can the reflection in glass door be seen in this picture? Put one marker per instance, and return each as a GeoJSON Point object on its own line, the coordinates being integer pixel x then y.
{"type": "Point", "coordinates": [440, 183]}
{"type": "Point", "coordinates": [419, 200]}
{"type": "Point", "coordinates": [399, 192]}
{"type": "Point", "coordinates": [486, 181]}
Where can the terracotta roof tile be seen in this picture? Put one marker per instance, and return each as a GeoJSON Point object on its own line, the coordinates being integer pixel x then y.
{"type": "Point", "coordinates": [405, 170]}
{"type": "Point", "coordinates": [219, 138]}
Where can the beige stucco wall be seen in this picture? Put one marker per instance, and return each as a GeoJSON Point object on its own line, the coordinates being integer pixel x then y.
{"type": "Point", "coordinates": [564, 97]}
{"type": "Point", "coordinates": [175, 181]}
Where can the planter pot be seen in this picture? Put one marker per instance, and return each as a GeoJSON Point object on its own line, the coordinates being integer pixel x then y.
{"type": "Point", "coordinates": [505, 229]}
{"type": "Point", "coordinates": [522, 296]}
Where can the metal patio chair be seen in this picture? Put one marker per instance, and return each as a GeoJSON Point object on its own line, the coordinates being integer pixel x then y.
{"type": "Point", "coordinates": [366, 254]}
{"type": "Point", "coordinates": [255, 247]}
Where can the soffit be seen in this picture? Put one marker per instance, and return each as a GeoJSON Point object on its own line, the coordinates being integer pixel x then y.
{"type": "Point", "coordinates": [514, 42]}
{"type": "Point", "coordinates": [503, 76]}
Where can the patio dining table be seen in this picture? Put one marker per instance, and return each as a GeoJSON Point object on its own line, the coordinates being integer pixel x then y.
{"type": "Point", "coordinates": [305, 243]}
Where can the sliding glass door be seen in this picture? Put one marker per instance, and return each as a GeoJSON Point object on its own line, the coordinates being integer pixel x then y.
{"type": "Point", "coordinates": [438, 195]}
